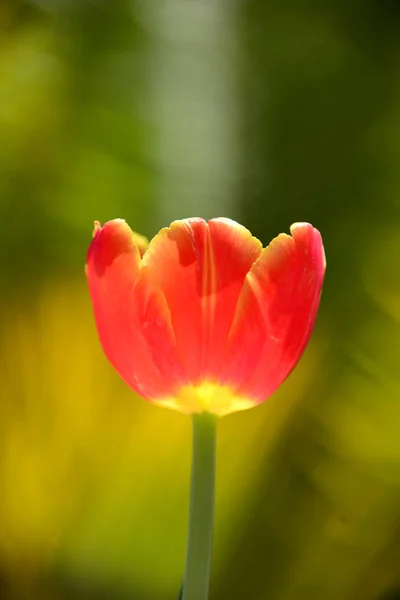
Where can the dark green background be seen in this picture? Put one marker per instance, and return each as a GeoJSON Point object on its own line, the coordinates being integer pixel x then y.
{"type": "Point", "coordinates": [264, 111]}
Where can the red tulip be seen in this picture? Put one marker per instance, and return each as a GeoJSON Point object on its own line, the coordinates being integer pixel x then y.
{"type": "Point", "coordinates": [204, 319]}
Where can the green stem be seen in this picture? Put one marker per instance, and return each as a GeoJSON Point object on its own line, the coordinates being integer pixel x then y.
{"type": "Point", "coordinates": [201, 519]}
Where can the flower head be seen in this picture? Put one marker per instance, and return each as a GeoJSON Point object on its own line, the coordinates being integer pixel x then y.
{"type": "Point", "coordinates": [204, 318]}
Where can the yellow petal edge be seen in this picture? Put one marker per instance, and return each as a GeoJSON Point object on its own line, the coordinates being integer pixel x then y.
{"type": "Point", "coordinates": [208, 397]}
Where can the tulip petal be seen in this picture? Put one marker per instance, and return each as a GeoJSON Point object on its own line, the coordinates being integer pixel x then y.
{"type": "Point", "coordinates": [133, 320]}
{"type": "Point", "coordinates": [275, 313]}
{"type": "Point", "coordinates": [200, 268]}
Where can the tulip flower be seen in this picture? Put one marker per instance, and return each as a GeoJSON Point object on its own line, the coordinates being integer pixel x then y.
{"type": "Point", "coordinates": [206, 321]}
{"type": "Point", "coordinates": [204, 318]}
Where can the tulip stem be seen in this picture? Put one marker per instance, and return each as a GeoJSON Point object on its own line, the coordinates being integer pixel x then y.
{"type": "Point", "coordinates": [201, 518]}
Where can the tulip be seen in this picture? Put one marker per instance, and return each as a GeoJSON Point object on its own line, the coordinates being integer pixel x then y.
{"type": "Point", "coordinates": [204, 319]}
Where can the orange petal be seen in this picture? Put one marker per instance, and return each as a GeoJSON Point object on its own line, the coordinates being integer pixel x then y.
{"type": "Point", "coordinates": [275, 313]}
{"type": "Point", "coordinates": [129, 316]}
{"type": "Point", "coordinates": [200, 268]}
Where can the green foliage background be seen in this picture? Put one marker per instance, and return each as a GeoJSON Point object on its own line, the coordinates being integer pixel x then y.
{"type": "Point", "coordinates": [264, 111]}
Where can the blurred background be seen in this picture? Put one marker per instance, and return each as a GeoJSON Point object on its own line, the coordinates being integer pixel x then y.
{"type": "Point", "coordinates": [265, 111]}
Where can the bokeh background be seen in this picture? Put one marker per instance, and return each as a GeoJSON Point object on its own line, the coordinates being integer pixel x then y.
{"type": "Point", "coordinates": [265, 111]}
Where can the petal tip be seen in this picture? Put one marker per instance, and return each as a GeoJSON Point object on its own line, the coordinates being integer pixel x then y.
{"type": "Point", "coordinates": [141, 241]}
{"type": "Point", "coordinates": [300, 225]}
{"type": "Point", "coordinates": [302, 228]}
{"type": "Point", "coordinates": [96, 228]}
{"type": "Point", "coordinates": [109, 241]}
